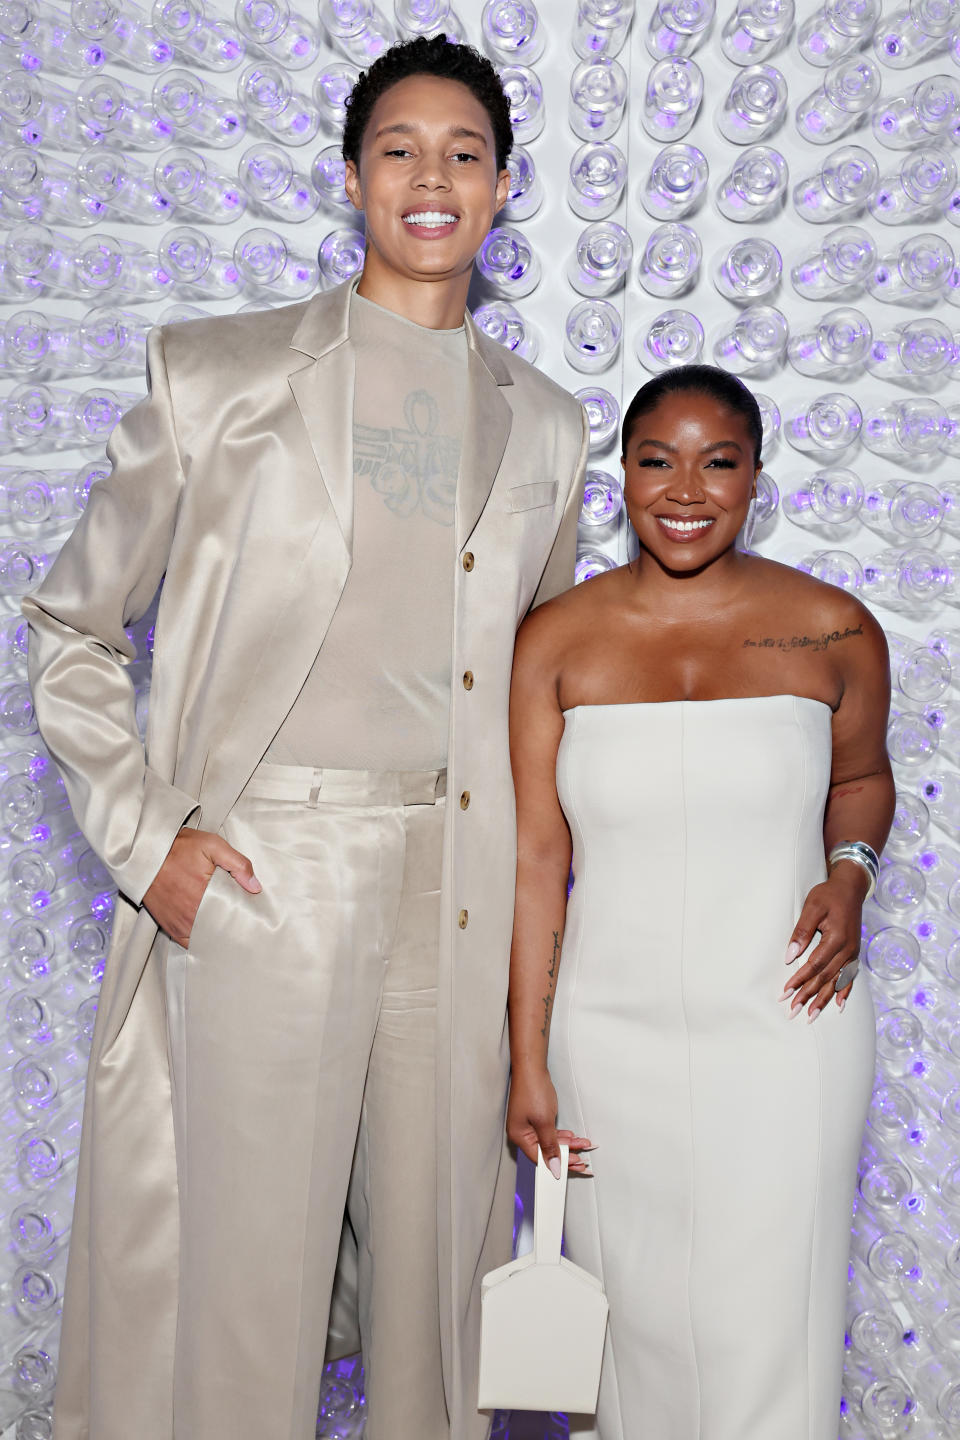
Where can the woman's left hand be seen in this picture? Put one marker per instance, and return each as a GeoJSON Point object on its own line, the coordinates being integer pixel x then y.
{"type": "Point", "coordinates": [832, 908]}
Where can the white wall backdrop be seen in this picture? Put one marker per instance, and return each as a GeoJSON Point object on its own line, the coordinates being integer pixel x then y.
{"type": "Point", "coordinates": [132, 171]}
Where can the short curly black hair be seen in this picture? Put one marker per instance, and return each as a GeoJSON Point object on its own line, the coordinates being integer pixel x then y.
{"type": "Point", "coordinates": [436, 56]}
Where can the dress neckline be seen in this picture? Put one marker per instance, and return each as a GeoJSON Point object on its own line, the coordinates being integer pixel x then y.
{"type": "Point", "coordinates": [718, 700]}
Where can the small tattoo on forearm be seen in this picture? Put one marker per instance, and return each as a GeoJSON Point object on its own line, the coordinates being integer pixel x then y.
{"type": "Point", "coordinates": [804, 642]}
{"type": "Point", "coordinates": [552, 977]}
{"type": "Point", "coordinates": [847, 790]}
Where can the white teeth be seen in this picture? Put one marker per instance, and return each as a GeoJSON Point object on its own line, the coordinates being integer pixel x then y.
{"type": "Point", "coordinates": [430, 218]}
{"type": "Point", "coordinates": [684, 524]}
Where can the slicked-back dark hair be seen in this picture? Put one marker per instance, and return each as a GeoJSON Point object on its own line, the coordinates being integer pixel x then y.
{"type": "Point", "coordinates": [447, 61]}
{"type": "Point", "coordinates": [721, 386]}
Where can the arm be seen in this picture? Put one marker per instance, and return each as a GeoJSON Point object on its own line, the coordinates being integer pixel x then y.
{"type": "Point", "coordinates": [860, 806]}
{"type": "Point", "coordinates": [543, 867]}
{"type": "Point", "coordinates": [558, 573]}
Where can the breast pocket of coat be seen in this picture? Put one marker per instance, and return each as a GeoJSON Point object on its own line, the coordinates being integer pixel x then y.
{"type": "Point", "coordinates": [540, 494]}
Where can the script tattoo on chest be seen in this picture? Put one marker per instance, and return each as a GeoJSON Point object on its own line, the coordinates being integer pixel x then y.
{"type": "Point", "coordinates": [552, 977]}
{"type": "Point", "coordinates": [816, 643]}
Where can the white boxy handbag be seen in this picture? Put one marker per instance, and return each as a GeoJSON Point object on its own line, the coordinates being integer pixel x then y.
{"type": "Point", "coordinates": [543, 1319]}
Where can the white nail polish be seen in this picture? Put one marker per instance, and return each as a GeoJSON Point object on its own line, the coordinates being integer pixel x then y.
{"type": "Point", "coordinates": [793, 950]}
{"type": "Point", "coordinates": [554, 1167]}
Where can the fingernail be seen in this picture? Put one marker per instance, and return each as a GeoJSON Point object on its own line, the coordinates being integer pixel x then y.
{"type": "Point", "coordinates": [812, 1016]}
{"type": "Point", "coordinates": [793, 950]}
{"type": "Point", "coordinates": [841, 1002]}
{"type": "Point", "coordinates": [787, 993]}
{"type": "Point", "coordinates": [795, 1008]}
{"type": "Point", "coordinates": [554, 1167]}
{"type": "Point", "coordinates": [255, 886]}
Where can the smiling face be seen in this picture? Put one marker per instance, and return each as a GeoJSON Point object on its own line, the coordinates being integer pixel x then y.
{"type": "Point", "coordinates": [689, 477]}
{"type": "Point", "coordinates": [427, 181]}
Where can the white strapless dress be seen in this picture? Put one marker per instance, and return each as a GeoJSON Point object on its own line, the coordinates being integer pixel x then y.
{"type": "Point", "coordinates": [728, 1134]}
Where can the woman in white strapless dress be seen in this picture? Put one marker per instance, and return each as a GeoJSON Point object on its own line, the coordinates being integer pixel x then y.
{"type": "Point", "coordinates": [699, 730]}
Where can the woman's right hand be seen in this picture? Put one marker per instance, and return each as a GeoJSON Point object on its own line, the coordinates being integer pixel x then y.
{"type": "Point", "coordinates": [532, 1122]}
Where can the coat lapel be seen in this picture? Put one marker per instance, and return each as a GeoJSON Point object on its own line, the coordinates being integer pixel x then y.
{"type": "Point", "coordinates": [486, 429]}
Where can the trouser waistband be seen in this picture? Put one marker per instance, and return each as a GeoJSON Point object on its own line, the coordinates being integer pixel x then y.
{"type": "Point", "coordinates": [312, 786]}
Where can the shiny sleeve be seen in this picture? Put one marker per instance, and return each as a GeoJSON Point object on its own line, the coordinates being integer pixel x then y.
{"type": "Point", "coordinates": [558, 573]}
{"type": "Point", "coordinates": [103, 580]}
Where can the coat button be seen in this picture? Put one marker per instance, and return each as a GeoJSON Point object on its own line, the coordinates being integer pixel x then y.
{"type": "Point", "coordinates": [462, 919]}
{"type": "Point", "coordinates": [465, 800]}
{"type": "Point", "coordinates": [468, 561]}
{"type": "Point", "coordinates": [468, 679]}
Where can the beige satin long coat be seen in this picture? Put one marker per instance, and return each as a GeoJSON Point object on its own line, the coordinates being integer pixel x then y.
{"type": "Point", "coordinates": [234, 480]}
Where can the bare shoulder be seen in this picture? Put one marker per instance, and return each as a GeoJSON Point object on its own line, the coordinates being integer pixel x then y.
{"type": "Point", "coordinates": [811, 612]}
{"type": "Point", "coordinates": [548, 632]}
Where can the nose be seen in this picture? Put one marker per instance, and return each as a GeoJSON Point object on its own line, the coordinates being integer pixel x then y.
{"type": "Point", "coordinates": [685, 487]}
{"type": "Point", "coordinates": [430, 174]}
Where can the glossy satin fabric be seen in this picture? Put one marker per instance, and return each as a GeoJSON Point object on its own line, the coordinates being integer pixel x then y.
{"type": "Point", "coordinates": [302, 1025]}
{"type": "Point", "coordinates": [728, 1134]}
{"type": "Point", "coordinates": [233, 481]}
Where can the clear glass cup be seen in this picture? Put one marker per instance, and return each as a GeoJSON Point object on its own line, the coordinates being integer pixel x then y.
{"type": "Point", "coordinates": [38, 111]}
{"type": "Point", "coordinates": [918, 190]}
{"type": "Point", "coordinates": [839, 104]}
{"type": "Point", "coordinates": [500, 321]}
{"type": "Point", "coordinates": [835, 567]}
{"type": "Point", "coordinates": [428, 17]}
{"type": "Point", "coordinates": [914, 31]}
{"type": "Point", "coordinates": [754, 343]}
{"type": "Point", "coordinates": [126, 34]}
{"type": "Point", "coordinates": [928, 112]}
{"type": "Point", "coordinates": [675, 183]}
{"type": "Point", "coordinates": [841, 265]}
{"type": "Point", "coordinates": [600, 27]}
{"type": "Point", "coordinates": [524, 94]}
{"type": "Point", "coordinates": [913, 351]}
{"type": "Point", "coordinates": [826, 502]}
{"type": "Point", "coordinates": [328, 173]}
{"type": "Point", "coordinates": [598, 172]}
{"type": "Point", "coordinates": [526, 193]}
{"type": "Point", "coordinates": [677, 27]}
{"type": "Point", "coordinates": [199, 39]}
{"type": "Point", "coordinates": [36, 187]}
{"type": "Point", "coordinates": [911, 821]}
{"type": "Point", "coordinates": [274, 186]}
{"type": "Point", "coordinates": [770, 420]}
{"type": "Point", "coordinates": [671, 260]}
{"type": "Point", "coordinates": [591, 563]}
{"type": "Point", "coordinates": [672, 98]}
{"type": "Point", "coordinates": [110, 108]}
{"type": "Point", "coordinates": [592, 336]}
{"type": "Point", "coordinates": [331, 90]}
{"type": "Point", "coordinates": [267, 263]}
{"type": "Point", "coordinates": [756, 30]}
{"type": "Point", "coordinates": [754, 106]}
{"type": "Point", "coordinates": [602, 499]}
{"type": "Point", "coordinates": [747, 270]}
{"type": "Point", "coordinates": [837, 28]}
{"type": "Point", "coordinates": [603, 416]}
{"type": "Point", "coordinates": [828, 425]}
{"type": "Point", "coordinates": [42, 346]}
{"type": "Point", "coordinates": [841, 187]}
{"type": "Point", "coordinates": [905, 429]}
{"type": "Point", "coordinates": [196, 191]}
{"type": "Point", "coordinates": [836, 346]}
{"type": "Point", "coordinates": [755, 186]}
{"type": "Point", "coordinates": [196, 112]}
{"type": "Point", "coordinates": [512, 31]}
{"type": "Point", "coordinates": [507, 261]}
{"type": "Point", "coordinates": [271, 103]}
{"type": "Point", "coordinates": [340, 256]}
{"type": "Point", "coordinates": [673, 338]}
{"type": "Point", "coordinates": [357, 28]}
{"type": "Point", "coordinates": [919, 270]}
{"type": "Point", "coordinates": [899, 512]}
{"type": "Point", "coordinates": [196, 269]}
{"type": "Point", "coordinates": [115, 340]}
{"type": "Point", "coordinates": [285, 36]}
{"type": "Point", "coordinates": [44, 41]}
{"type": "Point", "coordinates": [603, 255]}
{"type": "Point", "coordinates": [598, 95]}
{"type": "Point", "coordinates": [37, 254]}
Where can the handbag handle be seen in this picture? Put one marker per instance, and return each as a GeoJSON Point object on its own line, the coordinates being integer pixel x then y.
{"type": "Point", "coordinates": [549, 1198]}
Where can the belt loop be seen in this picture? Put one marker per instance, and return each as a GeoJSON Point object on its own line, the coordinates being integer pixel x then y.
{"type": "Point", "coordinates": [314, 797]}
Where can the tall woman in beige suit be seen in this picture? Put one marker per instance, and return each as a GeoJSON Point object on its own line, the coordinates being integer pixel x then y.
{"type": "Point", "coordinates": [347, 552]}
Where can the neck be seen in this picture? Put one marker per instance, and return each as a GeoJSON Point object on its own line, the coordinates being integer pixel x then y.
{"type": "Point", "coordinates": [437, 304]}
{"type": "Point", "coordinates": [674, 595]}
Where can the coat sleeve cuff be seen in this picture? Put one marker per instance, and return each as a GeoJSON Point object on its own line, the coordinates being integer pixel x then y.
{"type": "Point", "coordinates": [164, 812]}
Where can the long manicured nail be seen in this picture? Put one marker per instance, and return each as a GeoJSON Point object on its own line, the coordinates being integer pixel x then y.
{"type": "Point", "coordinates": [554, 1167]}
{"type": "Point", "coordinates": [793, 950]}
{"type": "Point", "coordinates": [787, 994]}
{"type": "Point", "coordinates": [812, 1016]}
{"type": "Point", "coordinates": [795, 1008]}
{"type": "Point", "coordinates": [841, 1002]}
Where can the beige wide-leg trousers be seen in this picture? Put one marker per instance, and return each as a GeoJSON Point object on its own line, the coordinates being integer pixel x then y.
{"type": "Point", "coordinates": [302, 1046]}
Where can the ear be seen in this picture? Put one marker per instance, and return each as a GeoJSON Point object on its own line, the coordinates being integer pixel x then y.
{"type": "Point", "coordinates": [351, 183]}
{"type": "Point", "coordinates": [503, 189]}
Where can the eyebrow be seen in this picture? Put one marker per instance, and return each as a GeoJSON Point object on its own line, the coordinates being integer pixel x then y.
{"type": "Point", "coordinates": [717, 445]}
{"type": "Point", "coordinates": [456, 132]}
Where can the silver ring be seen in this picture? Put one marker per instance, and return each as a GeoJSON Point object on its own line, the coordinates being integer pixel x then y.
{"type": "Point", "coordinates": [847, 974]}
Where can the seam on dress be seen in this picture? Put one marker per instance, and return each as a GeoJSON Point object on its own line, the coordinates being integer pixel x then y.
{"type": "Point", "coordinates": [686, 1025]}
{"type": "Point", "coordinates": [798, 901]}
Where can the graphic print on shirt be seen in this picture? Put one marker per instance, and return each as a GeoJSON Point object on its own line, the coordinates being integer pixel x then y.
{"type": "Point", "coordinates": [414, 466]}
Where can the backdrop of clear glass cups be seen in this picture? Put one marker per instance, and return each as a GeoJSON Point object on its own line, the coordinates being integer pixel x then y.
{"type": "Point", "coordinates": [503, 323]}
{"type": "Point", "coordinates": [507, 261]}
{"type": "Point", "coordinates": [770, 420]}
{"type": "Point", "coordinates": [670, 262]}
{"type": "Point", "coordinates": [909, 579]}
{"type": "Point", "coordinates": [592, 336]}
{"type": "Point", "coordinates": [524, 93]}
{"type": "Point", "coordinates": [340, 256]}
{"type": "Point", "coordinates": [672, 98]}
{"type": "Point", "coordinates": [358, 28]}
{"type": "Point", "coordinates": [917, 190]}
{"type": "Point", "coordinates": [598, 173]}
{"type": "Point", "coordinates": [270, 101]}
{"type": "Point", "coordinates": [512, 31]}
{"type": "Point", "coordinates": [906, 430]}
{"type": "Point", "coordinates": [526, 192]}
{"type": "Point", "coordinates": [42, 346]}
{"type": "Point", "coordinates": [105, 265]}
{"type": "Point", "coordinates": [328, 173]}
{"type": "Point", "coordinates": [916, 273]}
{"type": "Point", "coordinates": [46, 417]}
{"type": "Point", "coordinates": [43, 43]}
{"type": "Point", "coordinates": [598, 95]}
{"type": "Point", "coordinates": [115, 340]}
{"type": "Point", "coordinates": [902, 512]}
{"type": "Point", "coordinates": [195, 190]}
{"type": "Point", "coordinates": [754, 342]}
{"type": "Point", "coordinates": [928, 111]}
{"type": "Point", "coordinates": [427, 17]}
{"type": "Point", "coordinates": [675, 183]}
{"type": "Point", "coordinates": [836, 345]}
{"type": "Point", "coordinates": [754, 106]}
{"type": "Point", "coordinates": [913, 352]}
{"type": "Point", "coordinates": [290, 39]}
{"type": "Point", "coordinates": [590, 563]}
{"type": "Point", "coordinates": [840, 266]}
{"type": "Point", "coordinates": [128, 37]}
{"type": "Point", "coordinates": [268, 264]}
{"type": "Point", "coordinates": [756, 30]}
{"type": "Point", "coordinates": [835, 567]}
{"type": "Point", "coordinates": [195, 112]}
{"type": "Point", "coordinates": [747, 270]}
{"type": "Point", "coordinates": [603, 416]}
{"type": "Point", "coordinates": [828, 502]}
{"type": "Point", "coordinates": [600, 27]}
{"type": "Point", "coordinates": [108, 107]}
{"type": "Point", "coordinates": [331, 87]}
{"type": "Point", "coordinates": [603, 255]}
{"type": "Point", "coordinates": [41, 112]}
{"type": "Point", "coordinates": [841, 102]}
{"type": "Point", "coordinates": [602, 499]}
{"type": "Point", "coordinates": [202, 40]}
{"type": "Point", "coordinates": [825, 427]}
{"type": "Point", "coordinates": [677, 27]}
{"type": "Point", "coordinates": [840, 187]}
{"type": "Point", "coordinates": [36, 187]}
{"type": "Point", "coordinates": [914, 31]}
{"type": "Point", "coordinates": [198, 271]}
{"type": "Point", "coordinates": [674, 337]}
{"type": "Point", "coordinates": [836, 28]}
{"type": "Point", "coordinates": [754, 187]}
{"type": "Point", "coordinates": [274, 186]}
